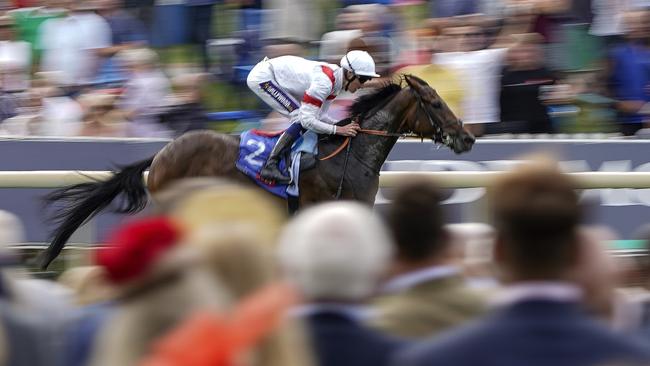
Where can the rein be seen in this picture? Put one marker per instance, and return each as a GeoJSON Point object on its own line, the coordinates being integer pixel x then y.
{"type": "Point", "coordinates": [348, 139]}
{"type": "Point", "coordinates": [382, 133]}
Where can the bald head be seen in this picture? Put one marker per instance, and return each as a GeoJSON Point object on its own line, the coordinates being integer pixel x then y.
{"type": "Point", "coordinates": [335, 252]}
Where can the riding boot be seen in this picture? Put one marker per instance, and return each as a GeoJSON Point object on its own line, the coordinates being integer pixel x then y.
{"type": "Point", "coordinates": [271, 171]}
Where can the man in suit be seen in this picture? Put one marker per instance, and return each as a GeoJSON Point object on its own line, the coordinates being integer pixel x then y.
{"type": "Point", "coordinates": [426, 293]}
{"type": "Point", "coordinates": [334, 254]}
{"type": "Point", "coordinates": [538, 318]}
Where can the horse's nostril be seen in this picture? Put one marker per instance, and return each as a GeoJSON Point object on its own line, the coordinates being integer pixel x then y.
{"type": "Point", "coordinates": [469, 139]}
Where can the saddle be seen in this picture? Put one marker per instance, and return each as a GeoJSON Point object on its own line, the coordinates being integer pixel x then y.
{"type": "Point", "coordinates": [255, 147]}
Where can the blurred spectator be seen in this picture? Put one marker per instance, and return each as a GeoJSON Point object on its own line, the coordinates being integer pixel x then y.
{"type": "Point", "coordinates": [492, 8]}
{"type": "Point", "coordinates": [632, 311]}
{"type": "Point", "coordinates": [29, 20]}
{"type": "Point", "coordinates": [475, 243]}
{"type": "Point", "coordinates": [608, 19]}
{"type": "Point", "coordinates": [33, 312]}
{"type": "Point", "coordinates": [145, 91]}
{"type": "Point", "coordinates": [335, 254]}
{"type": "Point", "coordinates": [346, 3]}
{"type": "Point", "coordinates": [72, 45]}
{"type": "Point", "coordinates": [244, 265]}
{"type": "Point", "coordinates": [126, 30]}
{"type": "Point", "coordinates": [539, 320]}
{"type": "Point", "coordinates": [8, 106]}
{"type": "Point", "coordinates": [285, 47]}
{"type": "Point", "coordinates": [200, 21]}
{"type": "Point", "coordinates": [445, 80]}
{"type": "Point", "coordinates": [88, 283]}
{"type": "Point", "coordinates": [629, 76]}
{"type": "Point", "coordinates": [60, 115]}
{"type": "Point", "coordinates": [334, 45]}
{"type": "Point", "coordinates": [183, 111]}
{"type": "Point", "coordinates": [251, 14]}
{"type": "Point", "coordinates": [157, 282]}
{"type": "Point", "coordinates": [479, 70]}
{"type": "Point", "coordinates": [234, 338]}
{"type": "Point", "coordinates": [93, 293]}
{"type": "Point", "coordinates": [15, 59]}
{"type": "Point", "coordinates": [522, 80]}
{"type": "Point", "coordinates": [235, 230]}
{"type": "Point", "coordinates": [452, 8]}
{"type": "Point", "coordinates": [238, 207]}
{"type": "Point", "coordinates": [370, 21]}
{"type": "Point", "coordinates": [45, 111]}
{"type": "Point", "coordinates": [595, 272]}
{"type": "Point", "coordinates": [426, 293]}
{"type": "Point", "coordinates": [101, 117]}
{"type": "Point", "coordinates": [27, 119]}
{"type": "Point", "coordinates": [297, 19]}
{"type": "Point", "coordinates": [547, 15]}
{"type": "Point", "coordinates": [143, 10]}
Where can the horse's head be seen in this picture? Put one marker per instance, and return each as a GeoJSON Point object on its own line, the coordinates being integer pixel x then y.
{"type": "Point", "coordinates": [431, 117]}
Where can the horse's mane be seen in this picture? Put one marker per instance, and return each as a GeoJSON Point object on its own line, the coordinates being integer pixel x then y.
{"type": "Point", "coordinates": [367, 102]}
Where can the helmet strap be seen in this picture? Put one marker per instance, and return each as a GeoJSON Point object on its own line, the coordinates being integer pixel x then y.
{"type": "Point", "coordinates": [351, 71]}
{"type": "Point", "coordinates": [348, 80]}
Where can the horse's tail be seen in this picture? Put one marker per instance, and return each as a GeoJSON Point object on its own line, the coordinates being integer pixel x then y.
{"type": "Point", "coordinates": [83, 201]}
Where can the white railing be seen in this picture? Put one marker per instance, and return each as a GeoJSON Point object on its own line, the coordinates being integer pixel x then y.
{"type": "Point", "coordinates": [447, 179]}
{"type": "Point", "coordinates": [471, 179]}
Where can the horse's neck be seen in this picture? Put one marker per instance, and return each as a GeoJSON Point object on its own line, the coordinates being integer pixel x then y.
{"type": "Point", "coordinates": [373, 150]}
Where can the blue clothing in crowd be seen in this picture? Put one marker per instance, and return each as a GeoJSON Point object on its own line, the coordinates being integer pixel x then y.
{"type": "Point", "coordinates": [340, 340]}
{"type": "Point", "coordinates": [451, 8]}
{"type": "Point", "coordinates": [81, 336]}
{"type": "Point", "coordinates": [126, 28]}
{"type": "Point", "coordinates": [630, 76]}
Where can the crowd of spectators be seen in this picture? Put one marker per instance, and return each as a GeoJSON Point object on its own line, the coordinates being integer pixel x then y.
{"type": "Point", "coordinates": [214, 273]}
{"type": "Point", "coordinates": [503, 66]}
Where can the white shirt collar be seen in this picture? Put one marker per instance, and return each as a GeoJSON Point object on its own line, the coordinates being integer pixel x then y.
{"type": "Point", "coordinates": [412, 279]}
{"type": "Point", "coordinates": [542, 290]}
{"type": "Point", "coordinates": [354, 312]}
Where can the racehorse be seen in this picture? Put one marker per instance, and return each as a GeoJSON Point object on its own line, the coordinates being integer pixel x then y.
{"type": "Point", "coordinates": [385, 115]}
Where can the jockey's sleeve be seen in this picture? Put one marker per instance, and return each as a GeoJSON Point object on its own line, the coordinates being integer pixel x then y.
{"type": "Point", "coordinates": [312, 101]}
{"type": "Point", "coordinates": [327, 119]}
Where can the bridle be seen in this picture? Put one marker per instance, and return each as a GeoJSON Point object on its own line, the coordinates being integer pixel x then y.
{"type": "Point", "coordinates": [439, 136]}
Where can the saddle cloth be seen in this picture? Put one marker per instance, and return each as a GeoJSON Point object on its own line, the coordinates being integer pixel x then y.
{"type": "Point", "coordinates": [254, 149]}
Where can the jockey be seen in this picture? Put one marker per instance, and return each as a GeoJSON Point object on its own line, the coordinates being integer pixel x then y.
{"type": "Point", "coordinates": [280, 82]}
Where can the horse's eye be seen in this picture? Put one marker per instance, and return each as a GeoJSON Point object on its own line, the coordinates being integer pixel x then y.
{"type": "Point", "coordinates": [436, 104]}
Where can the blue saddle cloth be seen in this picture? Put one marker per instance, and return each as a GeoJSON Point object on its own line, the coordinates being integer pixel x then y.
{"type": "Point", "coordinates": [254, 149]}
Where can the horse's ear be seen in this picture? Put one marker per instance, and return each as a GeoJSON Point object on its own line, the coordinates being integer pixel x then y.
{"type": "Point", "coordinates": [413, 83]}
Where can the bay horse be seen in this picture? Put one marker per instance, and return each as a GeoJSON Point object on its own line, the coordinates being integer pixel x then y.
{"type": "Point", "coordinates": [384, 116]}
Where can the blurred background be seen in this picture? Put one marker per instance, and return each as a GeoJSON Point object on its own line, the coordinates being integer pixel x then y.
{"type": "Point", "coordinates": [213, 273]}
{"type": "Point", "coordinates": [505, 66]}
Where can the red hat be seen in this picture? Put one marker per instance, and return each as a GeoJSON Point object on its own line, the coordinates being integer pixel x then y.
{"type": "Point", "coordinates": [135, 247]}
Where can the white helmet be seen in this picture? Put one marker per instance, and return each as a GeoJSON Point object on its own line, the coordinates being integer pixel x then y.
{"type": "Point", "coordinates": [359, 63]}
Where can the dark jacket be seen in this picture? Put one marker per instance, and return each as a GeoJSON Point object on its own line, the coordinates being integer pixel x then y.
{"type": "Point", "coordinates": [531, 333]}
{"type": "Point", "coordinates": [339, 340]}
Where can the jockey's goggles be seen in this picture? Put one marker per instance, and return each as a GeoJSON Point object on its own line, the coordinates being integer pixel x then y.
{"type": "Point", "coordinates": [363, 79]}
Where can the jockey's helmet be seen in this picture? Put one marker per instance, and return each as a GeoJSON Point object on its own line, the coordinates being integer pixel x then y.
{"type": "Point", "coordinates": [360, 63]}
